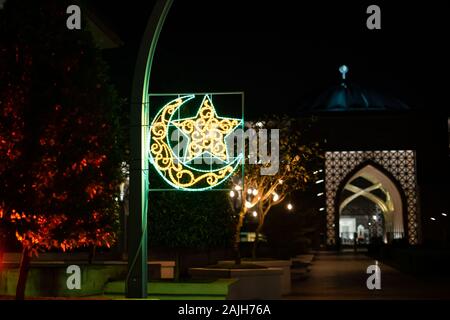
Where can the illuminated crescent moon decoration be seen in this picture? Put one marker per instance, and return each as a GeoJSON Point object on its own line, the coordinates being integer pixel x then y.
{"type": "Point", "coordinates": [206, 133]}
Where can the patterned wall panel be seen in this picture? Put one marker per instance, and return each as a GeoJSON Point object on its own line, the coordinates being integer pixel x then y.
{"type": "Point", "coordinates": [400, 163]}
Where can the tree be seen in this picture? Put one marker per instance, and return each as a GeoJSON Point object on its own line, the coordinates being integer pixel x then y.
{"type": "Point", "coordinates": [194, 220]}
{"type": "Point", "coordinates": [60, 145]}
{"type": "Point", "coordinates": [260, 193]}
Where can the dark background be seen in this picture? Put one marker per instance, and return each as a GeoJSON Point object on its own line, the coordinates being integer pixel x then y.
{"type": "Point", "coordinates": [284, 53]}
{"type": "Point", "coordinates": [281, 53]}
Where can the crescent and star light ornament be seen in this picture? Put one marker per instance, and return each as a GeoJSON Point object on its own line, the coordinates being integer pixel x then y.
{"type": "Point", "coordinates": [205, 134]}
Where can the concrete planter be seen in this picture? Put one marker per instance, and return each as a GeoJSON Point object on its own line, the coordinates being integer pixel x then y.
{"type": "Point", "coordinates": [284, 265]}
{"type": "Point", "coordinates": [251, 284]}
{"type": "Point", "coordinates": [48, 278]}
{"type": "Point", "coordinates": [167, 268]}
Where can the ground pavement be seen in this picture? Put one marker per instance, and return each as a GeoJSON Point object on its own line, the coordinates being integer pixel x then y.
{"type": "Point", "coordinates": [343, 276]}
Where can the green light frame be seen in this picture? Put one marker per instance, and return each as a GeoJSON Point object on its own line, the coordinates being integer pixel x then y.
{"type": "Point", "coordinates": [239, 159]}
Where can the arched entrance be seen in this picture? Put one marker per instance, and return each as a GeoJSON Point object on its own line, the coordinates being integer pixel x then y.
{"type": "Point", "coordinates": [370, 207]}
{"type": "Point", "coordinates": [395, 170]}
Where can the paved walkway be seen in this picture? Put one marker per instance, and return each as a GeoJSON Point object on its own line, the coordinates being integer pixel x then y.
{"type": "Point", "coordinates": [343, 276]}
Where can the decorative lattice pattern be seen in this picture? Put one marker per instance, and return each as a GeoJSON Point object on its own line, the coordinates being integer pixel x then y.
{"type": "Point", "coordinates": [400, 163]}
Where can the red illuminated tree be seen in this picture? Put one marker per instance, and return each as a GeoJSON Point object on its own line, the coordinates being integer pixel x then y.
{"type": "Point", "coordinates": [59, 134]}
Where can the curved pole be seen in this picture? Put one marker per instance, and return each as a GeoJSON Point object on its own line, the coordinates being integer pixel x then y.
{"type": "Point", "coordinates": [136, 280]}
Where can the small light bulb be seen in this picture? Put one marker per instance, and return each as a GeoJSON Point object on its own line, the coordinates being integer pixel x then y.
{"type": "Point", "coordinates": [248, 204]}
{"type": "Point", "coordinates": [238, 188]}
{"type": "Point", "coordinates": [232, 194]}
{"type": "Point", "coordinates": [289, 206]}
{"type": "Point", "coordinates": [250, 191]}
{"type": "Point", "coordinates": [255, 192]}
{"type": "Point", "coordinates": [255, 214]}
{"type": "Point", "coordinates": [275, 196]}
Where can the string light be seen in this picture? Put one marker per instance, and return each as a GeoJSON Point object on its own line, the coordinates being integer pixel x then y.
{"type": "Point", "coordinates": [255, 214]}
{"type": "Point", "coordinates": [232, 194]}
{"type": "Point", "coordinates": [248, 204]}
{"type": "Point", "coordinates": [250, 191]}
{"type": "Point", "coordinates": [206, 138]}
{"type": "Point", "coordinates": [289, 206]}
{"type": "Point", "coordinates": [206, 132]}
{"type": "Point", "coordinates": [255, 192]}
{"type": "Point", "coordinates": [275, 196]}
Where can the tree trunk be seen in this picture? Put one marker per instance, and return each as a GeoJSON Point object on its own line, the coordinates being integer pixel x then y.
{"type": "Point", "coordinates": [23, 274]}
{"type": "Point", "coordinates": [92, 250]}
{"type": "Point", "coordinates": [177, 264]}
{"type": "Point", "coordinates": [258, 229]}
{"type": "Point", "coordinates": [2, 252]}
{"type": "Point", "coordinates": [255, 244]}
{"type": "Point", "coordinates": [237, 239]}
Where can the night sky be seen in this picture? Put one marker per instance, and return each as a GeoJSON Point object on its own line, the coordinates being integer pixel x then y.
{"type": "Point", "coordinates": [284, 53]}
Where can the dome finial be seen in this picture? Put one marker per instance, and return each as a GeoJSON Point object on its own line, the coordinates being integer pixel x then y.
{"type": "Point", "coordinates": [343, 70]}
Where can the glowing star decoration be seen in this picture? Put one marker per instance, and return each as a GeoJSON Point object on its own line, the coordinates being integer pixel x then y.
{"type": "Point", "coordinates": [206, 133]}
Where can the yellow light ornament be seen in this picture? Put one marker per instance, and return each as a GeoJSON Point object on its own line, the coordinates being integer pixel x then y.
{"type": "Point", "coordinates": [206, 133]}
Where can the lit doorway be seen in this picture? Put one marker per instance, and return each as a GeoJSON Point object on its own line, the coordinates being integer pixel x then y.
{"type": "Point", "coordinates": [370, 209]}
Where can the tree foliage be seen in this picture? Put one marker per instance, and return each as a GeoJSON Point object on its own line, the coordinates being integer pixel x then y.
{"type": "Point", "coordinates": [60, 145]}
{"type": "Point", "coordinates": [198, 220]}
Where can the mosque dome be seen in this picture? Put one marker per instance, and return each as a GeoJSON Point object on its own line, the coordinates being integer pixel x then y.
{"type": "Point", "coordinates": [348, 96]}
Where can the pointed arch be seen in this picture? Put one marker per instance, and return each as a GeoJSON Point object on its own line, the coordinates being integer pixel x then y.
{"type": "Point", "coordinates": [398, 165]}
{"type": "Point", "coordinates": [394, 208]}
